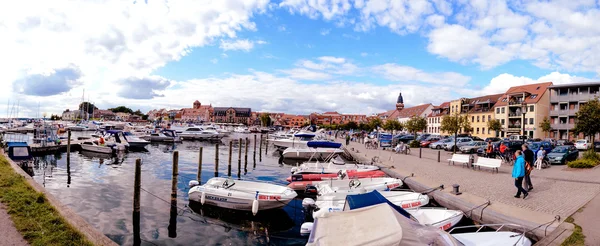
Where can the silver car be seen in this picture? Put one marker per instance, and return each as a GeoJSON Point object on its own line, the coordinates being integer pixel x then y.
{"type": "Point", "coordinates": [439, 144]}
{"type": "Point", "coordinates": [459, 143]}
{"type": "Point", "coordinates": [472, 147]}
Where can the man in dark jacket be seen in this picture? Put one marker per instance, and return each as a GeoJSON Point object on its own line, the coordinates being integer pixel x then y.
{"type": "Point", "coordinates": [529, 159]}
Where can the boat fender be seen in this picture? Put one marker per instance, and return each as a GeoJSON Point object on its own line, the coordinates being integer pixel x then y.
{"type": "Point", "coordinates": [255, 204]}
{"type": "Point", "coordinates": [193, 183]}
{"type": "Point", "coordinates": [294, 169]}
{"type": "Point", "coordinates": [308, 202]}
{"type": "Point", "coordinates": [202, 198]}
{"type": "Point", "coordinates": [306, 228]}
{"type": "Point", "coordinates": [363, 191]}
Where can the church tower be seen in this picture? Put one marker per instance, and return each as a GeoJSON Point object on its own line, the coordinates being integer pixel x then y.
{"type": "Point", "coordinates": [197, 104]}
{"type": "Point", "coordinates": [400, 102]}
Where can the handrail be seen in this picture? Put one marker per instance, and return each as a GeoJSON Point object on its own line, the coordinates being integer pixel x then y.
{"type": "Point", "coordinates": [480, 227]}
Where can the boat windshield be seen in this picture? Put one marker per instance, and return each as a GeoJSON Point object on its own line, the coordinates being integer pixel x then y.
{"type": "Point", "coordinates": [228, 183]}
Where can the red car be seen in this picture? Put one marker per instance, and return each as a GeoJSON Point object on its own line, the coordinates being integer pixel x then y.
{"type": "Point", "coordinates": [428, 141]}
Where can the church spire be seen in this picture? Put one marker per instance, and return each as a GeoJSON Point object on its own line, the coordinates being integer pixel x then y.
{"type": "Point", "coordinates": [400, 102]}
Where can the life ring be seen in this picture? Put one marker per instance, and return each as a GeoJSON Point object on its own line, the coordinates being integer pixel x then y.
{"type": "Point", "coordinates": [101, 141]}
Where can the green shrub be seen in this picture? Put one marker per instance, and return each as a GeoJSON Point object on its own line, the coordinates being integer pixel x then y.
{"type": "Point", "coordinates": [582, 163]}
{"type": "Point", "coordinates": [591, 155]}
{"type": "Point", "coordinates": [415, 144]}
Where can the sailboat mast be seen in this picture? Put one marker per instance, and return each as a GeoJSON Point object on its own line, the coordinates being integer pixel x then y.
{"type": "Point", "coordinates": [7, 109]}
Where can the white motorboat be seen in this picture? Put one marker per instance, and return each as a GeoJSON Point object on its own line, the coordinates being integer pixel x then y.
{"type": "Point", "coordinates": [168, 136]}
{"type": "Point", "coordinates": [332, 166]}
{"type": "Point", "coordinates": [221, 131]}
{"type": "Point", "coordinates": [241, 195]}
{"type": "Point", "coordinates": [490, 238]}
{"type": "Point", "coordinates": [94, 147]}
{"type": "Point", "coordinates": [310, 153]}
{"type": "Point", "coordinates": [379, 224]}
{"type": "Point", "coordinates": [299, 140]}
{"type": "Point", "coordinates": [134, 141]}
{"type": "Point", "coordinates": [345, 187]}
{"type": "Point", "coordinates": [200, 134]}
{"type": "Point", "coordinates": [241, 130]}
{"type": "Point", "coordinates": [438, 217]}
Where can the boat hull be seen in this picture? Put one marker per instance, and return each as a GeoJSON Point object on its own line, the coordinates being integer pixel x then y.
{"type": "Point", "coordinates": [319, 168]}
{"type": "Point", "coordinates": [325, 176]}
{"type": "Point", "coordinates": [97, 149]}
{"type": "Point", "coordinates": [313, 153]}
{"type": "Point", "coordinates": [404, 199]}
{"type": "Point", "coordinates": [437, 217]}
{"type": "Point", "coordinates": [492, 239]}
{"type": "Point", "coordinates": [300, 185]}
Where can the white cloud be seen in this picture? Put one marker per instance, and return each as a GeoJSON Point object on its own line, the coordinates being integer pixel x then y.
{"type": "Point", "coordinates": [355, 37]}
{"type": "Point", "coordinates": [281, 28]}
{"type": "Point", "coordinates": [364, 54]}
{"type": "Point", "coordinates": [332, 59]}
{"type": "Point", "coordinates": [224, 55]}
{"type": "Point", "coordinates": [502, 82]}
{"type": "Point", "coordinates": [306, 74]}
{"type": "Point", "coordinates": [325, 32]}
{"type": "Point", "coordinates": [214, 60]}
{"type": "Point", "coordinates": [395, 72]}
{"type": "Point", "coordinates": [240, 44]}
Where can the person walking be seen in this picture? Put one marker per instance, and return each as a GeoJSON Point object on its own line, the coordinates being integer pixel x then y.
{"type": "Point", "coordinates": [347, 139]}
{"type": "Point", "coordinates": [518, 173]}
{"type": "Point", "coordinates": [540, 157]}
{"type": "Point", "coordinates": [529, 160]}
{"type": "Point", "coordinates": [489, 150]}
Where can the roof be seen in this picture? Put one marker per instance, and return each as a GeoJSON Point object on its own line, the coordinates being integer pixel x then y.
{"type": "Point", "coordinates": [575, 85]}
{"type": "Point", "coordinates": [478, 103]}
{"type": "Point", "coordinates": [234, 108]}
{"type": "Point", "coordinates": [387, 113]}
{"type": "Point", "coordinates": [533, 89]}
{"type": "Point", "coordinates": [410, 112]}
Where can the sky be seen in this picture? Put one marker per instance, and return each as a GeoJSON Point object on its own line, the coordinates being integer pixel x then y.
{"type": "Point", "coordinates": [293, 56]}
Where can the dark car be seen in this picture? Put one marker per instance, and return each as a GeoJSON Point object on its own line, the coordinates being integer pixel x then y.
{"type": "Point", "coordinates": [406, 138]}
{"type": "Point", "coordinates": [422, 137]}
{"type": "Point", "coordinates": [492, 139]}
{"type": "Point", "coordinates": [563, 154]}
{"type": "Point", "coordinates": [476, 138]}
{"type": "Point", "coordinates": [597, 146]}
{"type": "Point", "coordinates": [535, 146]}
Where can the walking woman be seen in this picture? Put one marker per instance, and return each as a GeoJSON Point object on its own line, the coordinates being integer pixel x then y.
{"type": "Point", "coordinates": [518, 173]}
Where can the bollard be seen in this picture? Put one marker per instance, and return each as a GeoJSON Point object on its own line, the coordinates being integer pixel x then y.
{"type": "Point", "coordinates": [136, 202]}
{"type": "Point", "coordinates": [420, 149]}
{"type": "Point", "coordinates": [439, 151]}
{"type": "Point", "coordinates": [199, 176]}
{"type": "Point", "coordinates": [456, 189]}
{"type": "Point", "coordinates": [229, 160]}
{"type": "Point", "coordinates": [172, 227]}
{"type": "Point", "coordinates": [217, 160]}
{"type": "Point", "coordinates": [254, 161]}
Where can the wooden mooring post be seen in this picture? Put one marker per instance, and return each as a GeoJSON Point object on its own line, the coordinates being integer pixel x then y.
{"type": "Point", "coordinates": [260, 148]}
{"type": "Point", "coordinates": [229, 160]}
{"type": "Point", "coordinates": [240, 158]}
{"type": "Point", "coordinates": [199, 176]}
{"type": "Point", "coordinates": [254, 151]}
{"type": "Point", "coordinates": [217, 160]}
{"type": "Point", "coordinates": [172, 228]}
{"type": "Point", "coordinates": [137, 184]}
{"type": "Point", "coordinates": [69, 145]}
{"type": "Point", "coordinates": [266, 147]}
{"type": "Point", "coordinates": [247, 141]}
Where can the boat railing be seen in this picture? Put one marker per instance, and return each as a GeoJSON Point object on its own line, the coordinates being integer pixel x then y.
{"type": "Point", "coordinates": [499, 227]}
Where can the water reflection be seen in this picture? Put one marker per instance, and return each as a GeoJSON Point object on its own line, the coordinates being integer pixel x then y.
{"type": "Point", "coordinates": [100, 189]}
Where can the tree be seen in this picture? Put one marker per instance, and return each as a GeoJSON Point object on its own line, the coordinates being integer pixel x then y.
{"type": "Point", "coordinates": [495, 125]}
{"type": "Point", "coordinates": [587, 119]}
{"type": "Point", "coordinates": [265, 120]}
{"type": "Point", "coordinates": [55, 117]}
{"type": "Point", "coordinates": [374, 123]}
{"type": "Point", "coordinates": [145, 117]}
{"type": "Point", "coordinates": [392, 125]}
{"type": "Point", "coordinates": [121, 109]}
{"type": "Point", "coordinates": [363, 127]}
{"type": "Point", "coordinates": [88, 107]}
{"type": "Point", "coordinates": [453, 124]}
{"type": "Point", "coordinates": [415, 124]}
{"type": "Point", "coordinates": [351, 125]}
{"type": "Point", "coordinates": [138, 112]}
{"type": "Point", "coordinates": [545, 126]}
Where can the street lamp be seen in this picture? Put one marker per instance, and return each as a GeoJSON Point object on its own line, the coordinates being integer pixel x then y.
{"type": "Point", "coordinates": [523, 110]}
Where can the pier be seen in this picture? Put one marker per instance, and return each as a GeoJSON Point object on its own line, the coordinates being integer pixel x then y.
{"type": "Point", "coordinates": [487, 197]}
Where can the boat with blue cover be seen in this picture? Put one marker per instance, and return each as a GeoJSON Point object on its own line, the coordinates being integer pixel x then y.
{"type": "Point", "coordinates": [318, 150]}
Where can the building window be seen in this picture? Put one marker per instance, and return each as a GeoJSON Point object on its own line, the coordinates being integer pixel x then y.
{"type": "Point", "coordinates": [531, 108]}
{"type": "Point", "coordinates": [531, 121]}
{"type": "Point", "coordinates": [502, 121]}
{"type": "Point", "coordinates": [525, 121]}
{"type": "Point", "coordinates": [483, 118]}
{"type": "Point", "coordinates": [483, 130]}
{"type": "Point", "coordinates": [489, 117]}
{"type": "Point", "coordinates": [477, 118]}
{"type": "Point", "coordinates": [488, 131]}
{"type": "Point", "coordinates": [502, 110]}
{"type": "Point", "coordinates": [472, 118]}
{"type": "Point", "coordinates": [477, 130]}
{"type": "Point", "coordinates": [497, 110]}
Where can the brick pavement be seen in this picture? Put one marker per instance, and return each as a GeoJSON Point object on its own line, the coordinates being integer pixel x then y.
{"type": "Point", "coordinates": [556, 192]}
{"type": "Point", "coordinates": [10, 235]}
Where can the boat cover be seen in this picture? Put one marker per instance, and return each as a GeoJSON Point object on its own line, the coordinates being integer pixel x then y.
{"type": "Point", "coordinates": [304, 135]}
{"type": "Point", "coordinates": [370, 199]}
{"type": "Point", "coordinates": [323, 144]}
{"type": "Point", "coordinates": [375, 225]}
{"type": "Point", "coordinates": [113, 131]}
{"type": "Point", "coordinates": [18, 151]}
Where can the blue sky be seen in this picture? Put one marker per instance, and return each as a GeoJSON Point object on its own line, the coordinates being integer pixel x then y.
{"type": "Point", "coordinates": [295, 56]}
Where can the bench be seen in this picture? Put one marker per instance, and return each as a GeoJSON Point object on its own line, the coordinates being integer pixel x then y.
{"type": "Point", "coordinates": [488, 162]}
{"type": "Point", "coordinates": [464, 159]}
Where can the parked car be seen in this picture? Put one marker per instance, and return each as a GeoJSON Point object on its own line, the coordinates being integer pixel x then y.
{"type": "Point", "coordinates": [492, 139]}
{"type": "Point", "coordinates": [423, 136]}
{"type": "Point", "coordinates": [472, 146]}
{"type": "Point", "coordinates": [551, 140]}
{"type": "Point", "coordinates": [440, 144]}
{"type": "Point", "coordinates": [459, 143]}
{"type": "Point", "coordinates": [583, 144]}
{"type": "Point", "coordinates": [564, 142]}
{"type": "Point", "coordinates": [597, 146]}
{"type": "Point", "coordinates": [535, 146]}
{"type": "Point", "coordinates": [406, 138]}
{"type": "Point", "coordinates": [562, 154]}
{"type": "Point", "coordinates": [428, 141]}
{"type": "Point", "coordinates": [476, 138]}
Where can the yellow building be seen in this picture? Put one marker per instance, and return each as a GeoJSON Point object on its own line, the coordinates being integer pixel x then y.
{"type": "Point", "coordinates": [479, 111]}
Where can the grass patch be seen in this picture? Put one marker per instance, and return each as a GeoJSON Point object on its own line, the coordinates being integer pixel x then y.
{"type": "Point", "coordinates": [577, 238]}
{"type": "Point", "coordinates": [33, 216]}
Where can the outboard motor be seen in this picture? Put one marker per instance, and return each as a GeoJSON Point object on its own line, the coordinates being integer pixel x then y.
{"type": "Point", "coordinates": [310, 190]}
{"type": "Point", "coordinates": [294, 169]}
{"type": "Point", "coordinates": [193, 183]}
{"type": "Point", "coordinates": [308, 205]}
{"type": "Point", "coordinates": [306, 228]}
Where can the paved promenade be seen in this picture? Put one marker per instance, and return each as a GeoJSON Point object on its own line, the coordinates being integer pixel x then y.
{"type": "Point", "coordinates": [557, 190]}
{"type": "Point", "coordinates": [10, 235]}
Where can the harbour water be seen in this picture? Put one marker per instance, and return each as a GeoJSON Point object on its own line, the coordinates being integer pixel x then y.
{"type": "Point", "coordinates": [100, 189]}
